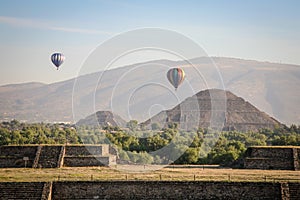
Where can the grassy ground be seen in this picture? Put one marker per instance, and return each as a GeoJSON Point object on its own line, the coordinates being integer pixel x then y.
{"type": "Point", "coordinates": [168, 173]}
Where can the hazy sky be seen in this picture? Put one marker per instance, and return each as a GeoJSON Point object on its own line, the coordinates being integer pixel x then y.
{"type": "Point", "coordinates": [265, 30]}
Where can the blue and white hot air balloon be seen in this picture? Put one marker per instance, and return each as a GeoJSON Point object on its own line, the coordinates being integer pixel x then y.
{"type": "Point", "coordinates": [57, 59]}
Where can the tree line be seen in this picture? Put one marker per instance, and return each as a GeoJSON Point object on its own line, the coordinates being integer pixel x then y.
{"type": "Point", "coordinates": [202, 146]}
{"type": "Point", "coordinates": [17, 133]}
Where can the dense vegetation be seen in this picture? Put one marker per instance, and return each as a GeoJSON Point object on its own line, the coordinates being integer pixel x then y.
{"type": "Point", "coordinates": [201, 146]}
{"type": "Point", "coordinates": [17, 133]}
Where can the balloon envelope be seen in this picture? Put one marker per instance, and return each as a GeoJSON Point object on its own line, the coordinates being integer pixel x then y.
{"type": "Point", "coordinates": [57, 59]}
{"type": "Point", "coordinates": [176, 76]}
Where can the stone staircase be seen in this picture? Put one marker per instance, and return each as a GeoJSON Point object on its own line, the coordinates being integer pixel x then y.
{"type": "Point", "coordinates": [296, 159]}
{"type": "Point", "coordinates": [285, 191]}
{"type": "Point", "coordinates": [37, 157]}
{"type": "Point", "coordinates": [47, 191]}
{"type": "Point", "coordinates": [62, 153]}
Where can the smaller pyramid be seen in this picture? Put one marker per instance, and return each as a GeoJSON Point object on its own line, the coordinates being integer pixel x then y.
{"type": "Point", "coordinates": [102, 118]}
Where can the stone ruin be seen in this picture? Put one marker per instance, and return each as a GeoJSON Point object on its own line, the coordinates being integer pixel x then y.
{"type": "Point", "coordinates": [272, 157]}
{"type": "Point", "coordinates": [148, 190]}
{"type": "Point", "coordinates": [55, 156]}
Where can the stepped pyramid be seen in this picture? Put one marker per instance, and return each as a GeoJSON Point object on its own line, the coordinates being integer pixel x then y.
{"type": "Point", "coordinates": [102, 118]}
{"type": "Point", "coordinates": [217, 109]}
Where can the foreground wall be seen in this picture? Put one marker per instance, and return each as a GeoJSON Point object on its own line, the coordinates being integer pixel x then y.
{"type": "Point", "coordinates": [149, 190]}
{"type": "Point", "coordinates": [25, 190]}
{"type": "Point", "coordinates": [166, 190]}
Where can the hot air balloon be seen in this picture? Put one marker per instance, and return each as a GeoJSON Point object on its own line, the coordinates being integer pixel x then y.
{"type": "Point", "coordinates": [176, 76]}
{"type": "Point", "coordinates": [57, 59]}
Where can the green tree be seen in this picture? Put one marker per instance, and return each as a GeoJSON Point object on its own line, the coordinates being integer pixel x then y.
{"type": "Point", "coordinates": [5, 138]}
{"type": "Point", "coordinates": [132, 125]}
{"type": "Point", "coordinates": [190, 156]}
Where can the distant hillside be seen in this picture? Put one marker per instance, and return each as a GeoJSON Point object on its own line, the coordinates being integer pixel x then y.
{"type": "Point", "coordinates": [272, 88]}
{"type": "Point", "coordinates": [20, 87]}
{"type": "Point", "coordinates": [239, 114]}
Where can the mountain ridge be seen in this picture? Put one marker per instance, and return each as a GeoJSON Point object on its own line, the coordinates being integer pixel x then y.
{"type": "Point", "coordinates": [271, 87]}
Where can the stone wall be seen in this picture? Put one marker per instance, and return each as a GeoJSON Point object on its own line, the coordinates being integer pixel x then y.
{"type": "Point", "coordinates": [148, 190]}
{"type": "Point", "coordinates": [269, 152]}
{"type": "Point", "coordinates": [52, 156]}
{"type": "Point", "coordinates": [165, 190]}
{"type": "Point", "coordinates": [89, 161]}
{"type": "Point", "coordinates": [268, 163]}
{"type": "Point", "coordinates": [88, 155]}
{"type": "Point", "coordinates": [86, 150]}
{"type": "Point", "coordinates": [49, 156]}
{"type": "Point", "coordinates": [22, 190]}
{"type": "Point", "coordinates": [286, 158]}
{"type": "Point", "coordinates": [294, 191]}
{"type": "Point", "coordinates": [12, 156]}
